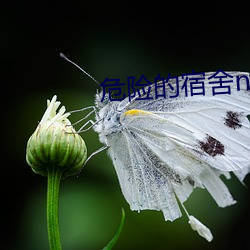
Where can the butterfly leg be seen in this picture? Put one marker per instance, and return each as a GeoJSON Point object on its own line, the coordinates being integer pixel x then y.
{"type": "Point", "coordinates": [91, 155]}
{"type": "Point", "coordinates": [96, 152]}
{"type": "Point", "coordinates": [82, 128]}
{"type": "Point", "coordinates": [86, 116]}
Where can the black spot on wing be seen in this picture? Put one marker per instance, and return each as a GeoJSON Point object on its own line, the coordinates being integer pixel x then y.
{"type": "Point", "coordinates": [212, 146]}
{"type": "Point", "coordinates": [191, 181]}
{"type": "Point", "coordinates": [233, 119]}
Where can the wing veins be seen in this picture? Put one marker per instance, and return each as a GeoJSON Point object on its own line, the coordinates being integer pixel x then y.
{"type": "Point", "coordinates": [144, 184]}
{"type": "Point", "coordinates": [200, 129]}
{"type": "Point", "coordinates": [130, 153]}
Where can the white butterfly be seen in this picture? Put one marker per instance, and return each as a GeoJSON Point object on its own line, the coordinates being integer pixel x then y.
{"type": "Point", "coordinates": [164, 148]}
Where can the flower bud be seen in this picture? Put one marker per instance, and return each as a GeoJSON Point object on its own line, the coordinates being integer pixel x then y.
{"type": "Point", "coordinates": [55, 144]}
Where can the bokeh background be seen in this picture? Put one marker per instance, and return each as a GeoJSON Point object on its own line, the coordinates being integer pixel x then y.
{"type": "Point", "coordinates": [113, 39]}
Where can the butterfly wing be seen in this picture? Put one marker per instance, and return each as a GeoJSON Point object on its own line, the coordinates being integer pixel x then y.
{"type": "Point", "coordinates": [169, 146]}
{"type": "Point", "coordinates": [142, 184]}
{"type": "Point", "coordinates": [219, 122]}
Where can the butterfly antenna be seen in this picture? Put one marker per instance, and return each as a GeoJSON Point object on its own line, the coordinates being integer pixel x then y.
{"type": "Point", "coordinates": [68, 60]}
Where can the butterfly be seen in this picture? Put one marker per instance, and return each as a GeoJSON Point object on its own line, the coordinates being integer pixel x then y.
{"type": "Point", "coordinates": [163, 148]}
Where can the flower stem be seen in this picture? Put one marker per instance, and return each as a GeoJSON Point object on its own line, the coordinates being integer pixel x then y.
{"type": "Point", "coordinates": [53, 185]}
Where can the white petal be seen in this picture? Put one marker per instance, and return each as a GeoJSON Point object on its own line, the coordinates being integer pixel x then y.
{"type": "Point", "coordinates": [51, 114]}
{"type": "Point", "coordinates": [50, 109]}
{"type": "Point", "coordinates": [200, 228]}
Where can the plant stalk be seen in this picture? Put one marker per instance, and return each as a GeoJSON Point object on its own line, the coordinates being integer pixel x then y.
{"type": "Point", "coordinates": [53, 186]}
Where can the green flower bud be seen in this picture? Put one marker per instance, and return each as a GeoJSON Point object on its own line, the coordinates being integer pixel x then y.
{"type": "Point", "coordinates": [55, 143]}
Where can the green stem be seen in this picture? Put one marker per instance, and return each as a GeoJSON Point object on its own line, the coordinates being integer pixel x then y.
{"type": "Point", "coordinates": [54, 177]}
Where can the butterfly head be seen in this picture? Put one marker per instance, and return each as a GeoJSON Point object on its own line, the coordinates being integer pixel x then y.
{"type": "Point", "coordinates": [101, 99]}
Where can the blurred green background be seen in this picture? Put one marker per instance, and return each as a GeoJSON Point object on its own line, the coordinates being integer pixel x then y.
{"type": "Point", "coordinates": [108, 39]}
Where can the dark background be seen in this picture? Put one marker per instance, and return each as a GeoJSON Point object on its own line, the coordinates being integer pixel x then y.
{"type": "Point", "coordinates": [108, 39]}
